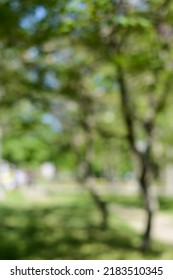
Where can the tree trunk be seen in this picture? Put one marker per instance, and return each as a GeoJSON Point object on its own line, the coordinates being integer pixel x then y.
{"type": "Point", "coordinates": [150, 205]}
{"type": "Point", "coordinates": [149, 212]}
{"type": "Point", "coordinates": [102, 206]}
{"type": "Point", "coordinates": [143, 156]}
{"type": "Point", "coordinates": [84, 178]}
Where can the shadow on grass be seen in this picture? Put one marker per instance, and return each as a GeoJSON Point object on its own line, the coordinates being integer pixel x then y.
{"type": "Point", "coordinates": [66, 232]}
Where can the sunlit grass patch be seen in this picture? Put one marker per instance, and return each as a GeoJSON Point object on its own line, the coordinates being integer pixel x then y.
{"type": "Point", "coordinates": [67, 227]}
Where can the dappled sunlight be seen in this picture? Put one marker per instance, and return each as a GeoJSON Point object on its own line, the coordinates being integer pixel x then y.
{"type": "Point", "coordinates": [86, 156]}
{"type": "Point", "coordinates": [46, 231]}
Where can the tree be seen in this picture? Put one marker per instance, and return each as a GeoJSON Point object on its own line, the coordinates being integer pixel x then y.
{"type": "Point", "coordinates": [115, 31]}
{"type": "Point", "coordinates": [115, 39]}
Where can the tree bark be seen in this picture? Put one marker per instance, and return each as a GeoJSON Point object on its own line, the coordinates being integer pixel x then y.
{"type": "Point", "coordinates": [85, 180]}
{"type": "Point", "coordinates": [150, 206]}
{"type": "Point", "coordinates": [85, 172]}
{"type": "Point", "coordinates": [143, 157]}
{"type": "Point", "coordinates": [102, 206]}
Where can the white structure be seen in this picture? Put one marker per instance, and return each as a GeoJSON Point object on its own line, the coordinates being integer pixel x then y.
{"type": "Point", "coordinates": [48, 170]}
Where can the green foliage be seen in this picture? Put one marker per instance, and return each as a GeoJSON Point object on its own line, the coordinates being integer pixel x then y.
{"type": "Point", "coordinates": [63, 58]}
{"type": "Point", "coordinates": [83, 84]}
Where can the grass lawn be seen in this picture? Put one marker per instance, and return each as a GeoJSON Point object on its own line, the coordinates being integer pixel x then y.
{"type": "Point", "coordinates": [165, 203]}
{"type": "Point", "coordinates": [66, 227]}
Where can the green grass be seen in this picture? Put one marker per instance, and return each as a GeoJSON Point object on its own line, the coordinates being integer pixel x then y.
{"type": "Point", "coordinates": [66, 227]}
{"type": "Point", "coordinates": [126, 200]}
{"type": "Point", "coordinates": [165, 203]}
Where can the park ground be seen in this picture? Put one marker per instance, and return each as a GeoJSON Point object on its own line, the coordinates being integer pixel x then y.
{"type": "Point", "coordinates": [66, 226]}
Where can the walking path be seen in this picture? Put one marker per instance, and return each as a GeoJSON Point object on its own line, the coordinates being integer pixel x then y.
{"type": "Point", "coordinates": [162, 222]}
